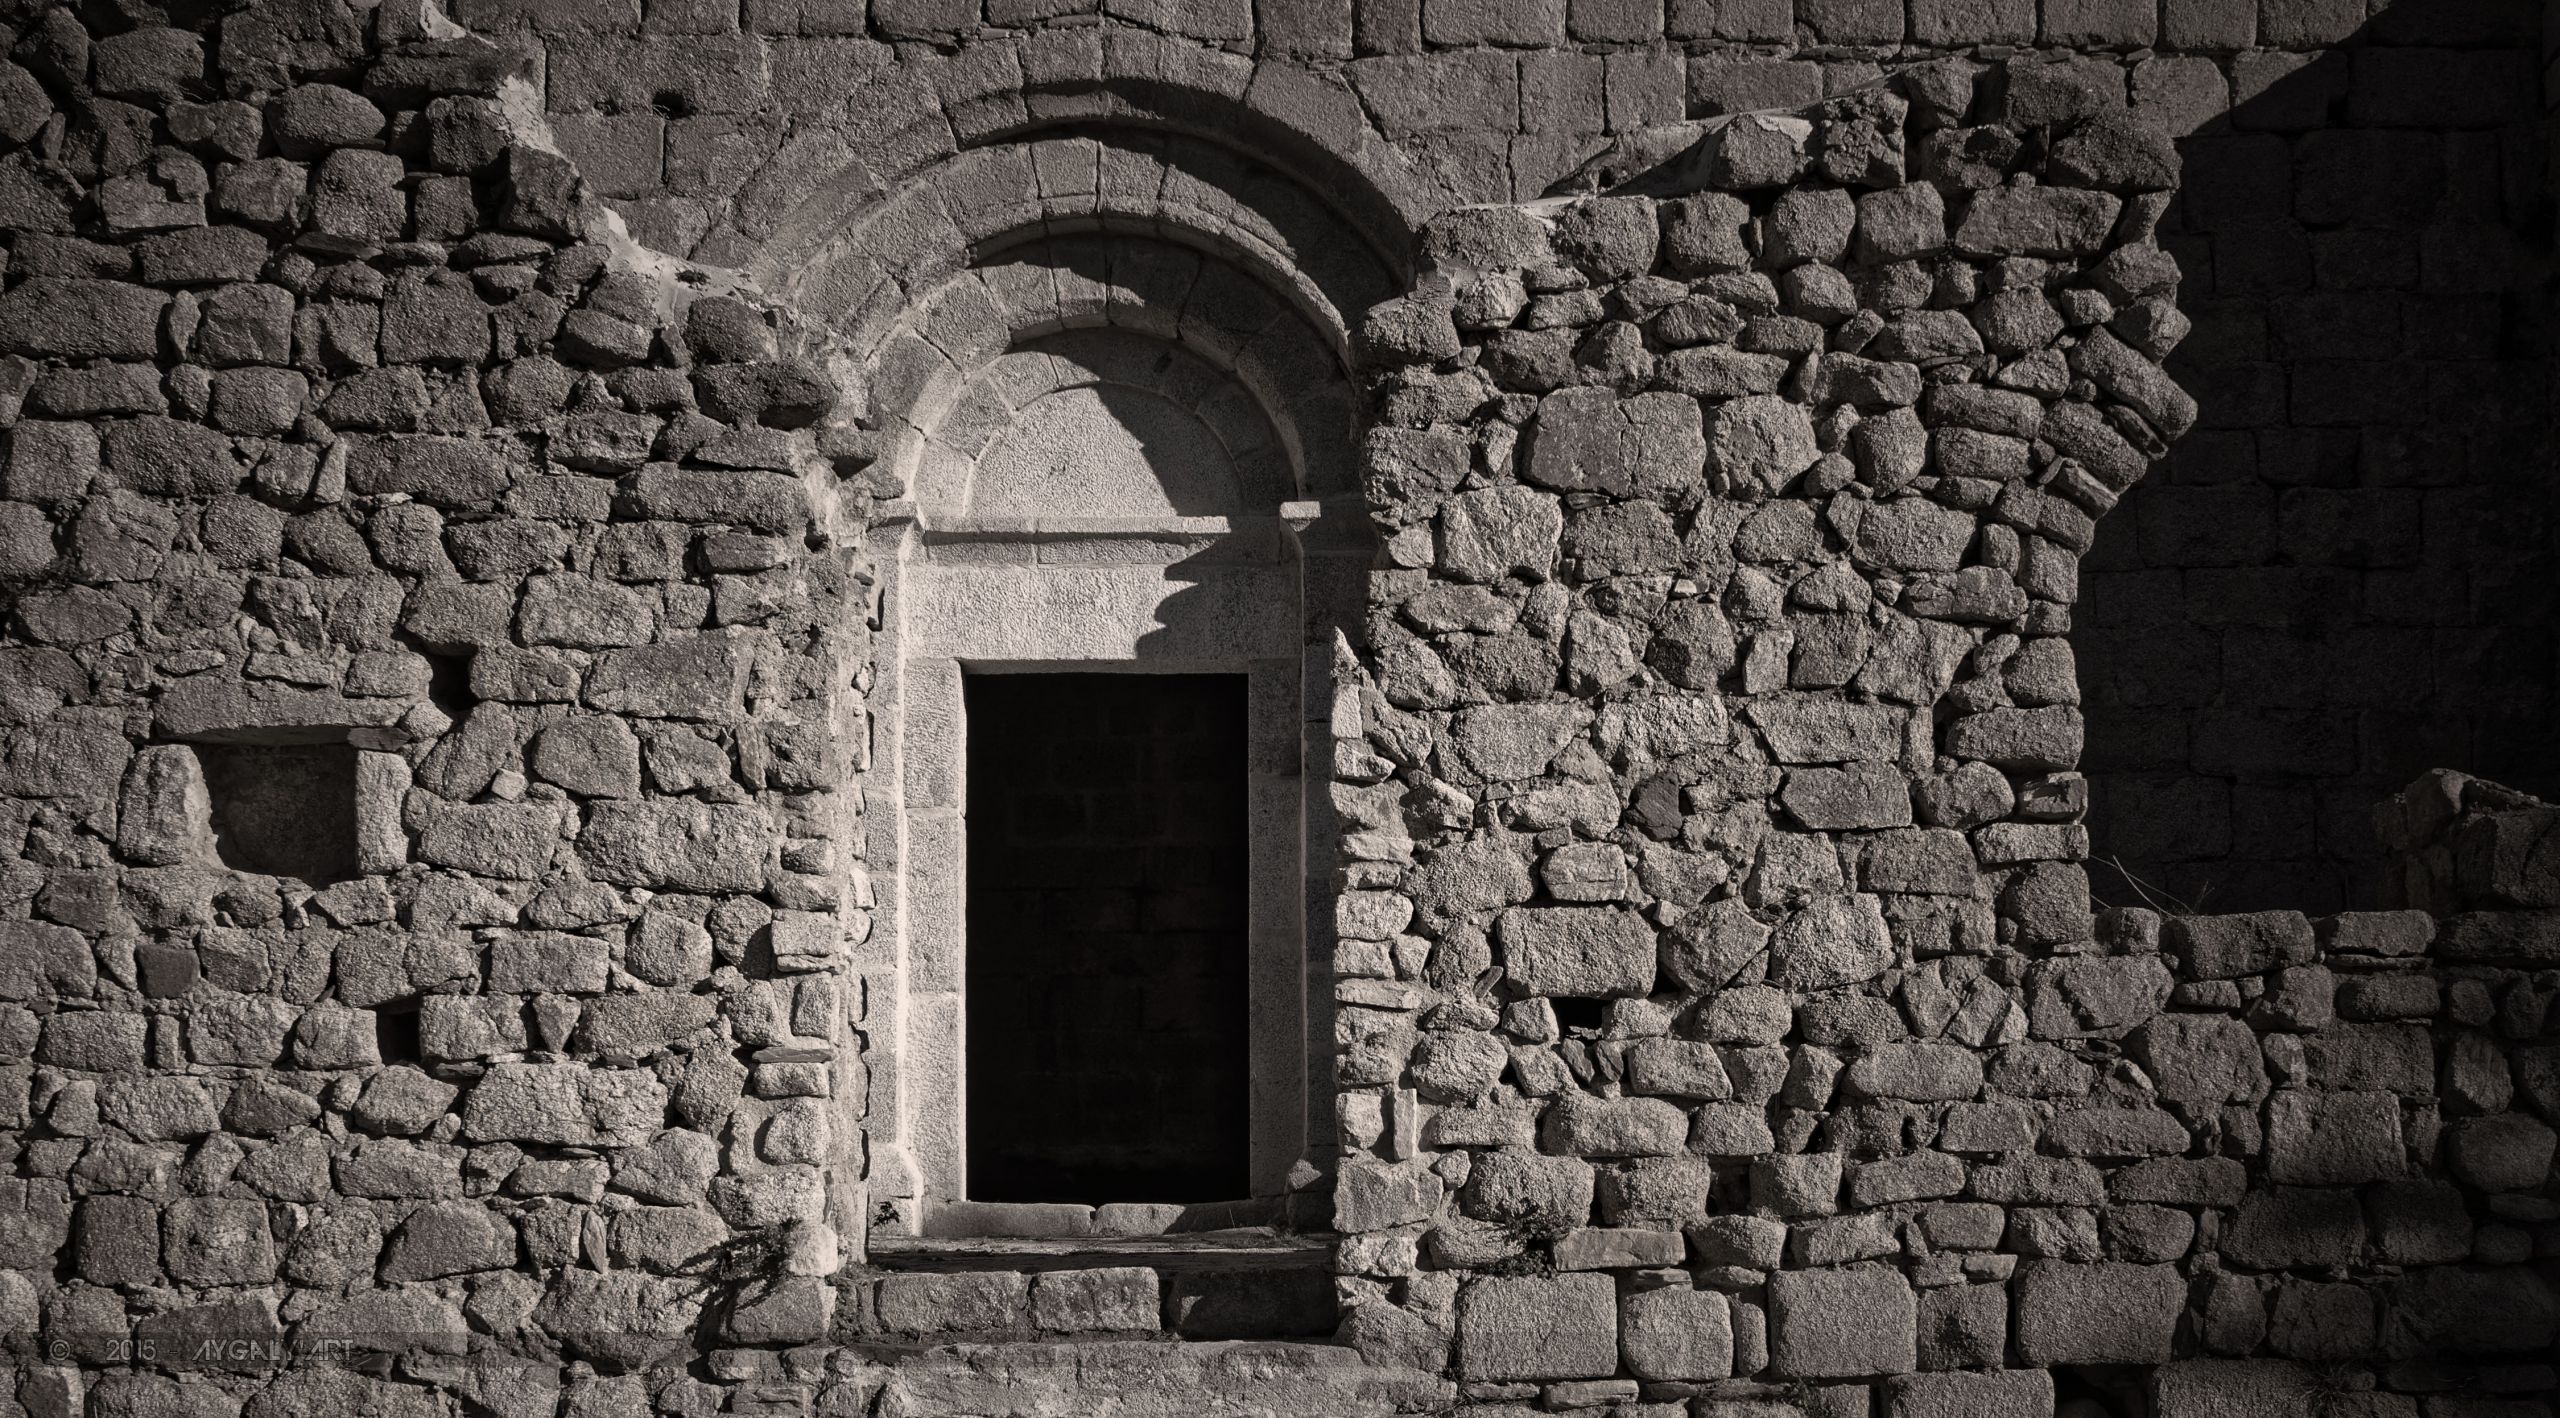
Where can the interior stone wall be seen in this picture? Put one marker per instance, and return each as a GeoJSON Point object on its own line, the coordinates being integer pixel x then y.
{"type": "Point", "coordinates": [2339, 579]}
{"type": "Point", "coordinates": [1108, 944]}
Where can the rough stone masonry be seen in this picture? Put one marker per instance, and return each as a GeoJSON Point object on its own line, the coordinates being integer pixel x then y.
{"type": "Point", "coordinates": [436, 742]}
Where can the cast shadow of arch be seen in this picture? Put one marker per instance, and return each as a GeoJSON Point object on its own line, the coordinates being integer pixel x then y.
{"type": "Point", "coordinates": [1282, 357]}
{"type": "Point", "coordinates": [2341, 576]}
{"type": "Point", "coordinates": [1168, 462]}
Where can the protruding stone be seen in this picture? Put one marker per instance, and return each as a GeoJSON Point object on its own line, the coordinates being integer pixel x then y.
{"type": "Point", "coordinates": [1757, 445]}
{"type": "Point", "coordinates": [1676, 1334]}
{"type": "Point", "coordinates": [1831, 941]}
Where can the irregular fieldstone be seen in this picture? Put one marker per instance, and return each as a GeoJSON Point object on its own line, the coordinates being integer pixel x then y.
{"type": "Point", "coordinates": [1523, 1188]}
{"type": "Point", "coordinates": [2083, 997]}
{"type": "Point", "coordinates": [1857, 1322]}
{"type": "Point", "coordinates": [2296, 1226]}
{"type": "Point", "coordinates": [1581, 1126]}
{"type": "Point", "coordinates": [592, 755]}
{"type": "Point", "coordinates": [2228, 947]}
{"type": "Point", "coordinates": [1757, 445]}
{"type": "Point", "coordinates": [684, 846]}
{"type": "Point", "coordinates": [1830, 941]}
{"type": "Point", "coordinates": [81, 319]}
{"type": "Point", "coordinates": [1559, 1327]}
{"type": "Point", "coordinates": [1588, 439]}
{"type": "Point", "coordinates": [1921, 1072]}
{"type": "Point", "coordinates": [449, 1238]}
{"type": "Point", "coordinates": [403, 1101]}
{"type": "Point", "coordinates": [2333, 1139]}
{"type": "Point", "coordinates": [2200, 1059]}
{"type": "Point", "coordinates": [1676, 1334]}
{"type": "Point", "coordinates": [1966, 1325]}
{"type": "Point", "coordinates": [506, 840]}
{"type": "Point", "coordinates": [1589, 951]}
{"type": "Point", "coordinates": [2106, 1313]}
{"type": "Point", "coordinates": [2502, 1152]}
{"type": "Point", "coordinates": [2036, 221]}
{"type": "Point", "coordinates": [564, 1104]}
{"type": "Point", "coordinates": [217, 1241]}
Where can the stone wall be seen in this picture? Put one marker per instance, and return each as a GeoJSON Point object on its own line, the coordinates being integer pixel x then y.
{"type": "Point", "coordinates": [344, 424]}
{"type": "Point", "coordinates": [2338, 579]}
{"type": "Point", "coordinates": [2362, 232]}
{"type": "Point", "coordinates": [1725, 1019]}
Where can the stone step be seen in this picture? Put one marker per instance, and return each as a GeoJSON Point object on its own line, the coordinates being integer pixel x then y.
{"type": "Point", "coordinates": [1150, 1379]}
{"type": "Point", "coordinates": [1241, 1248]}
{"type": "Point", "coordinates": [1239, 1292]}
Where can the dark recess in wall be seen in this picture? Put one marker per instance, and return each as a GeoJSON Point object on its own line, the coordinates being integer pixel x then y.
{"type": "Point", "coordinates": [284, 809]}
{"type": "Point", "coordinates": [1107, 908]}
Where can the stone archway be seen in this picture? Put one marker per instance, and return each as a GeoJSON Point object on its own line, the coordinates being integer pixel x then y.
{"type": "Point", "coordinates": [1120, 407]}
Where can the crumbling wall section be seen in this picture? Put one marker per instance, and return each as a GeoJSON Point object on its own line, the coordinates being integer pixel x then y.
{"type": "Point", "coordinates": [1725, 1016]}
{"type": "Point", "coordinates": [429, 701]}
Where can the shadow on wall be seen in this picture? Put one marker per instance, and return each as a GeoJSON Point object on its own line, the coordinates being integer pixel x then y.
{"type": "Point", "coordinates": [1106, 449]}
{"type": "Point", "coordinates": [2341, 577]}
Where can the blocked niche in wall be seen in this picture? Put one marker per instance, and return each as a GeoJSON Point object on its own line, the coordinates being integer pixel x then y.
{"type": "Point", "coordinates": [285, 810]}
{"type": "Point", "coordinates": [1108, 1035]}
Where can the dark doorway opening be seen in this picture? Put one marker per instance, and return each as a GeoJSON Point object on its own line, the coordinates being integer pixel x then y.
{"type": "Point", "coordinates": [1107, 938]}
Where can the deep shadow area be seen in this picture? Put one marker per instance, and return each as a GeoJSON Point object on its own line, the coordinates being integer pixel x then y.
{"type": "Point", "coordinates": [1107, 907]}
{"type": "Point", "coordinates": [2341, 577]}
